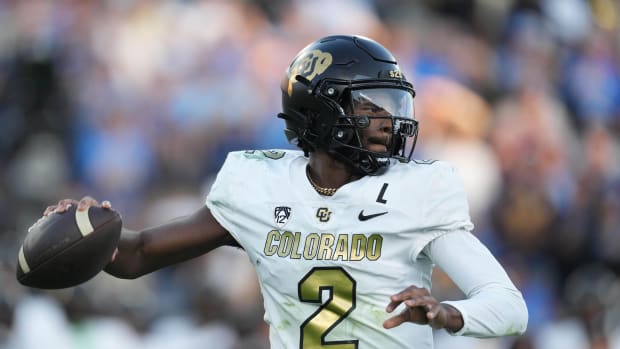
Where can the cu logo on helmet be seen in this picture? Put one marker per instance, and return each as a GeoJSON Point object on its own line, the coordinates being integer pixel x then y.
{"type": "Point", "coordinates": [309, 65]}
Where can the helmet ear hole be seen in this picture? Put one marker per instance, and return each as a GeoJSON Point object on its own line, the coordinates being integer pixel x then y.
{"type": "Point", "coordinates": [343, 135]}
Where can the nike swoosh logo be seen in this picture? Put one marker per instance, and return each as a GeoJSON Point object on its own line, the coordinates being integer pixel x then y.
{"type": "Point", "coordinates": [362, 217]}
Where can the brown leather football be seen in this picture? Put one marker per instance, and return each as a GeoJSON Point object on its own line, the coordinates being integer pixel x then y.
{"type": "Point", "coordinates": [66, 249]}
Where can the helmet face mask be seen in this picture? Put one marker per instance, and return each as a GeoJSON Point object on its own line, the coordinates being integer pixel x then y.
{"type": "Point", "coordinates": [346, 96]}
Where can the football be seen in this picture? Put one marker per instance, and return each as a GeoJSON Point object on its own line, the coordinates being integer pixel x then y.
{"type": "Point", "coordinates": [66, 249]}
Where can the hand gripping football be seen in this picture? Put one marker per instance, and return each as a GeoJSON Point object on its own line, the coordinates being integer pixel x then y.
{"type": "Point", "coordinates": [65, 249]}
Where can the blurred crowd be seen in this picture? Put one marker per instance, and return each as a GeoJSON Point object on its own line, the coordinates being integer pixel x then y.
{"type": "Point", "coordinates": [138, 102]}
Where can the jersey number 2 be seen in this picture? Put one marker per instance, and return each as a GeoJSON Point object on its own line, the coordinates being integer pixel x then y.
{"type": "Point", "coordinates": [341, 302]}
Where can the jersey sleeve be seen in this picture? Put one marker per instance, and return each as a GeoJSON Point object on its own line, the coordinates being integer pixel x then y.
{"type": "Point", "coordinates": [494, 307]}
{"type": "Point", "coordinates": [446, 208]}
{"type": "Point", "coordinates": [240, 188]}
{"type": "Point", "coordinates": [221, 200]}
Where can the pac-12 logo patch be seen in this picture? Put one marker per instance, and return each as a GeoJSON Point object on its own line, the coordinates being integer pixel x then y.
{"type": "Point", "coordinates": [281, 214]}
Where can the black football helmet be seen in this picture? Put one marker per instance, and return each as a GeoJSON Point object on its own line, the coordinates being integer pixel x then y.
{"type": "Point", "coordinates": [326, 83]}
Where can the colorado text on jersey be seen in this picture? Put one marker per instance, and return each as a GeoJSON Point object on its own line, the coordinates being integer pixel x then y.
{"type": "Point", "coordinates": [325, 246]}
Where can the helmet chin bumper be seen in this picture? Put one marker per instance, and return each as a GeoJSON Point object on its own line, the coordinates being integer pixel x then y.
{"type": "Point", "coordinates": [365, 164]}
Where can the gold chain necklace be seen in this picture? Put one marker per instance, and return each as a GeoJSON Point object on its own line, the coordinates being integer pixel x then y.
{"type": "Point", "coordinates": [320, 190]}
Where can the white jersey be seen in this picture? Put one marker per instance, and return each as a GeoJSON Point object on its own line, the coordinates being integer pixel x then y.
{"type": "Point", "coordinates": [327, 265]}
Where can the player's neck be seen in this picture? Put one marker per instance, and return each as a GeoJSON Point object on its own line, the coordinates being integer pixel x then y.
{"type": "Point", "coordinates": [326, 172]}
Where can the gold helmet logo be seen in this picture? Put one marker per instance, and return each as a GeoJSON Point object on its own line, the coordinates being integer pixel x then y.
{"type": "Point", "coordinates": [309, 65]}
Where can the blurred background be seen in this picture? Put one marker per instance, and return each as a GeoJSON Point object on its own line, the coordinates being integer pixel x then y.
{"type": "Point", "coordinates": [138, 102]}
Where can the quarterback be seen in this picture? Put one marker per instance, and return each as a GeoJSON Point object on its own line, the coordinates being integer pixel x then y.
{"type": "Point", "coordinates": [344, 232]}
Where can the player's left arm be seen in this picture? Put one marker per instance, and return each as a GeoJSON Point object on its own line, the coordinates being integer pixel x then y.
{"type": "Point", "coordinates": [493, 305]}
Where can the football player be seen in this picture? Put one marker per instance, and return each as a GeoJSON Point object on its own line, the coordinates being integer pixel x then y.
{"type": "Point", "coordinates": [345, 232]}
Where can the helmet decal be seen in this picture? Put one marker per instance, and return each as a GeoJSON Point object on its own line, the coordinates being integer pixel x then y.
{"type": "Point", "coordinates": [396, 74]}
{"type": "Point", "coordinates": [309, 65]}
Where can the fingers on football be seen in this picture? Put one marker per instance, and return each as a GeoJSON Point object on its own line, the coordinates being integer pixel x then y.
{"type": "Point", "coordinates": [86, 202]}
{"type": "Point", "coordinates": [61, 207]}
{"type": "Point", "coordinates": [49, 210]}
{"type": "Point", "coordinates": [82, 205]}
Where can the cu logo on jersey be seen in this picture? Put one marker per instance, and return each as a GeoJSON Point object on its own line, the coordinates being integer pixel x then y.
{"type": "Point", "coordinates": [323, 214]}
{"type": "Point", "coordinates": [281, 214]}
